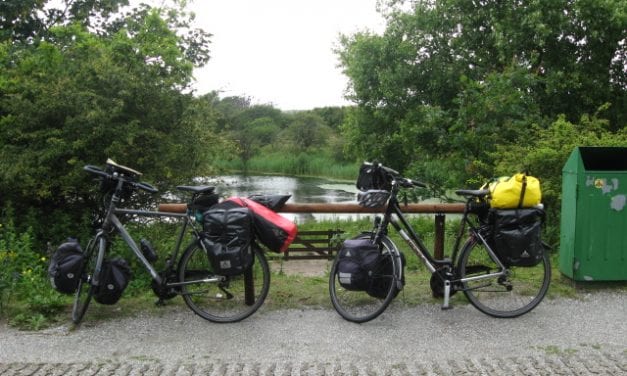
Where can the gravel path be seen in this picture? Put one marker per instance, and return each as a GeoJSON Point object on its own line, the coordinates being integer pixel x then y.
{"type": "Point", "coordinates": [587, 336]}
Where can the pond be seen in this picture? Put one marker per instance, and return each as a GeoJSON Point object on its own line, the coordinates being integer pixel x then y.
{"type": "Point", "coordinates": [302, 189]}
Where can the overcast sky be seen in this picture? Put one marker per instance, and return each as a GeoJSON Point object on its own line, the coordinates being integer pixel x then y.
{"type": "Point", "coordinates": [279, 52]}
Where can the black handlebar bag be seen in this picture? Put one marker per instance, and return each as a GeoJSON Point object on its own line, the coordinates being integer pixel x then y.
{"type": "Point", "coordinates": [371, 176]}
{"type": "Point", "coordinates": [228, 238]}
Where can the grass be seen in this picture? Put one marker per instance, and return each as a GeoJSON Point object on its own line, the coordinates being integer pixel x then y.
{"type": "Point", "coordinates": [286, 291]}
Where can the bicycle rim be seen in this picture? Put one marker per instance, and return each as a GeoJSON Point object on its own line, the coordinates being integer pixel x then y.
{"type": "Point", "coordinates": [509, 296]}
{"type": "Point", "coordinates": [359, 306]}
{"type": "Point", "coordinates": [85, 289]}
{"type": "Point", "coordinates": [231, 300]}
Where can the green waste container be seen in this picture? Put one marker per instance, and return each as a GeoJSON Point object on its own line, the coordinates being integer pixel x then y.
{"type": "Point", "coordinates": [593, 238]}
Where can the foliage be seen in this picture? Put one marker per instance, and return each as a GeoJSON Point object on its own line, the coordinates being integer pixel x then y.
{"type": "Point", "coordinates": [78, 94]}
{"type": "Point", "coordinates": [449, 81]}
{"type": "Point", "coordinates": [545, 151]}
{"type": "Point", "coordinates": [304, 164]}
{"type": "Point", "coordinates": [25, 293]}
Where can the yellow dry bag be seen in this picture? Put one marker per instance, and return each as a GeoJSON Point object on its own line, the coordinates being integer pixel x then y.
{"type": "Point", "coordinates": [518, 191]}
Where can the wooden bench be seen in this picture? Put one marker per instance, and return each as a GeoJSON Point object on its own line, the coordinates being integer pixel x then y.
{"type": "Point", "coordinates": [313, 245]}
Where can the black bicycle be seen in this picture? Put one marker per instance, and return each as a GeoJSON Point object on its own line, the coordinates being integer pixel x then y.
{"type": "Point", "coordinates": [214, 297]}
{"type": "Point", "coordinates": [491, 283]}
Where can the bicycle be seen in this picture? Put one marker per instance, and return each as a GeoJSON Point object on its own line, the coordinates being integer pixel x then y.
{"type": "Point", "coordinates": [214, 297]}
{"type": "Point", "coordinates": [490, 285]}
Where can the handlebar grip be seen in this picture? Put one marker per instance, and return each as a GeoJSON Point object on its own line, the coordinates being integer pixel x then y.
{"type": "Point", "coordinates": [146, 187]}
{"type": "Point", "coordinates": [96, 171]}
{"type": "Point", "coordinates": [417, 183]}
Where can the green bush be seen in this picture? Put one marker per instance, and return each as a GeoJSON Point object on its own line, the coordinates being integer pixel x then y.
{"type": "Point", "coordinates": [26, 297]}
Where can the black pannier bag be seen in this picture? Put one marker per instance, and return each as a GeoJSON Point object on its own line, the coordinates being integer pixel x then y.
{"type": "Point", "coordinates": [371, 176]}
{"type": "Point", "coordinates": [114, 277]}
{"type": "Point", "coordinates": [381, 277]}
{"type": "Point", "coordinates": [516, 236]}
{"type": "Point", "coordinates": [357, 259]}
{"type": "Point", "coordinates": [66, 265]}
{"type": "Point", "coordinates": [228, 238]}
{"type": "Point", "coordinates": [270, 228]}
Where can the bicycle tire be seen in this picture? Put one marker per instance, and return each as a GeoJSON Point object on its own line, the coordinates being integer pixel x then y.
{"type": "Point", "coordinates": [359, 306]}
{"type": "Point", "coordinates": [86, 289]}
{"type": "Point", "coordinates": [503, 297]}
{"type": "Point", "coordinates": [231, 300]}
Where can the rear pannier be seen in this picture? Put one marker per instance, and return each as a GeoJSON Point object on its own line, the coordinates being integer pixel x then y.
{"type": "Point", "coordinates": [114, 277]}
{"type": "Point", "coordinates": [66, 265]}
{"type": "Point", "coordinates": [228, 238]}
{"type": "Point", "coordinates": [271, 229]}
{"type": "Point", "coordinates": [516, 236]}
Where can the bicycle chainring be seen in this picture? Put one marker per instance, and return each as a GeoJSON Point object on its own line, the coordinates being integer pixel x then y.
{"type": "Point", "coordinates": [437, 282]}
{"type": "Point", "coordinates": [161, 290]}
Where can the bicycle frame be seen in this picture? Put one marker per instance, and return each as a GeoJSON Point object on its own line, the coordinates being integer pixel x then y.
{"type": "Point", "coordinates": [414, 241]}
{"type": "Point", "coordinates": [112, 223]}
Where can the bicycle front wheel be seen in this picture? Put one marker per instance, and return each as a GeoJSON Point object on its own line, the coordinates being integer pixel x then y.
{"type": "Point", "coordinates": [506, 296]}
{"type": "Point", "coordinates": [85, 289]}
{"type": "Point", "coordinates": [362, 306]}
{"type": "Point", "coordinates": [222, 299]}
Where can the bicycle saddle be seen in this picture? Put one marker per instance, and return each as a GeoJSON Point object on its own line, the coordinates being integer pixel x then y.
{"type": "Point", "coordinates": [196, 188]}
{"type": "Point", "coordinates": [472, 192]}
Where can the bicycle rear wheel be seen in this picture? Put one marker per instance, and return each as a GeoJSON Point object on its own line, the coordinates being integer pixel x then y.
{"type": "Point", "coordinates": [85, 289]}
{"type": "Point", "coordinates": [512, 295]}
{"type": "Point", "coordinates": [360, 306]}
{"type": "Point", "coordinates": [222, 299]}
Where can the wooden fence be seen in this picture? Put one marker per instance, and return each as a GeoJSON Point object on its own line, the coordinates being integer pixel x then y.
{"type": "Point", "coordinates": [321, 244]}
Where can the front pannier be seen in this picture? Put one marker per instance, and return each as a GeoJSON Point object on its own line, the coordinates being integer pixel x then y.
{"type": "Point", "coordinates": [357, 259]}
{"type": "Point", "coordinates": [66, 265]}
{"type": "Point", "coordinates": [382, 277]}
{"type": "Point", "coordinates": [516, 236]}
{"type": "Point", "coordinates": [114, 277]}
{"type": "Point", "coordinates": [228, 238]}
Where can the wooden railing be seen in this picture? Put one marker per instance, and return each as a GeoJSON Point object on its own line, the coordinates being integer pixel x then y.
{"type": "Point", "coordinates": [326, 247]}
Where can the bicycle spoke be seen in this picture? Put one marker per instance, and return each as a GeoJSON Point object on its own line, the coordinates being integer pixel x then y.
{"type": "Point", "coordinates": [228, 299]}
{"type": "Point", "coordinates": [521, 290]}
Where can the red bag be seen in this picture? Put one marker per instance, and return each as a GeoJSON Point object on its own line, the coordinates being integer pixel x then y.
{"type": "Point", "coordinates": [271, 229]}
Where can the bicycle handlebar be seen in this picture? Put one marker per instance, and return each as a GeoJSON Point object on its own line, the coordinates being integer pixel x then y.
{"type": "Point", "coordinates": [403, 182]}
{"type": "Point", "coordinates": [140, 185]}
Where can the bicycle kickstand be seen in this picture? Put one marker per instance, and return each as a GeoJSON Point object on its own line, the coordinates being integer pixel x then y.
{"type": "Point", "coordinates": [447, 295]}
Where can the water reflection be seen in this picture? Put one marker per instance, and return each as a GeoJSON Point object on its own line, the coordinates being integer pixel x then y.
{"type": "Point", "coordinates": [302, 189]}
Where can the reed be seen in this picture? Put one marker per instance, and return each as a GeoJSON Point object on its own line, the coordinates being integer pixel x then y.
{"type": "Point", "coordinates": [303, 164]}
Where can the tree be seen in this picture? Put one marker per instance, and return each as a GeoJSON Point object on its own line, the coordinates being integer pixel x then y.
{"type": "Point", "coordinates": [78, 97]}
{"type": "Point", "coordinates": [305, 131]}
{"type": "Point", "coordinates": [545, 153]}
{"type": "Point", "coordinates": [461, 77]}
